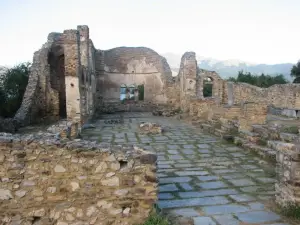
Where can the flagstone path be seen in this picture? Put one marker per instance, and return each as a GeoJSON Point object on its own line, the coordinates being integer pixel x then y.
{"type": "Point", "coordinates": [200, 176]}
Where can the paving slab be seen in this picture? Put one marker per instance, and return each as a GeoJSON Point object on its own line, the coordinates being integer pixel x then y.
{"type": "Point", "coordinates": [258, 217]}
{"type": "Point", "coordinates": [203, 220]}
{"type": "Point", "coordinates": [199, 175]}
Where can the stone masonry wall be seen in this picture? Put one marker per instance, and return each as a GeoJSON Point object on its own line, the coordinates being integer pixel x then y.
{"type": "Point", "coordinates": [132, 66]}
{"type": "Point", "coordinates": [217, 87]}
{"type": "Point", "coordinates": [288, 175]}
{"type": "Point", "coordinates": [40, 100]}
{"type": "Point", "coordinates": [245, 114]}
{"type": "Point", "coordinates": [72, 72]}
{"type": "Point", "coordinates": [187, 79]}
{"type": "Point", "coordinates": [279, 95]}
{"type": "Point", "coordinates": [47, 182]}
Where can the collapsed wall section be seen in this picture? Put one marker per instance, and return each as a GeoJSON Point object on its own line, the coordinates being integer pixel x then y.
{"type": "Point", "coordinates": [54, 90]}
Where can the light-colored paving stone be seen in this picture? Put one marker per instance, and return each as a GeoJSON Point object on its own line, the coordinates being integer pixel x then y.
{"type": "Point", "coordinates": [199, 175]}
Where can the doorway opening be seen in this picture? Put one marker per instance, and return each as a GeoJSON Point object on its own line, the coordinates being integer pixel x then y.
{"type": "Point", "coordinates": [207, 87]}
{"type": "Point", "coordinates": [57, 81]}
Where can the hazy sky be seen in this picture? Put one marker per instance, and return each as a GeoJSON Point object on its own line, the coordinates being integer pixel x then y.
{"type": "Point", "coordinates": [259, 31]}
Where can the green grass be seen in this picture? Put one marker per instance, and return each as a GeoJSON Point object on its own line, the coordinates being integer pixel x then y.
{"type": "Point", "coordinates": [156, 219]}
{"type": "Point", "coordinates": [291, 211]}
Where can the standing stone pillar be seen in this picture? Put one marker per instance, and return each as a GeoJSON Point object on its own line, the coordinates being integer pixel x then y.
{"type": "Point", "coordinates": [92, 84]}
{"type": "Point", "coordinates": [72, 72]}
{"type": "Point", "coordinates": [84, 61]}
{"type": "Point", "coordinates": [188, 77]}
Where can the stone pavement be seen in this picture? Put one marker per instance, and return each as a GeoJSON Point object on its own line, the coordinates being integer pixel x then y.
{"type": "Point", "coordinates": [200, 176]}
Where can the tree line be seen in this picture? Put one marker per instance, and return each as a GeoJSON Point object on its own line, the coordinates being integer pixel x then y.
{"type": "Point", "coordinates": [262, 80]}
{"type": "Point", "coordinates": [13, 83]}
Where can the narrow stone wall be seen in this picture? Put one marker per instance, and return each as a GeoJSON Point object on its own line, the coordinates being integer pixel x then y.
{"type": "Point", "coordinates": [245, 114]}
{"type": "Point", "coordinates": [187, 79]}
{"type": "Point", "coordinates": [279, 95]}
{"type": "Point", "coordinates": [47, 182]}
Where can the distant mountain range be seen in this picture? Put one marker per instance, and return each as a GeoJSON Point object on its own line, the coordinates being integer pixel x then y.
{"type": "Point", "coordinates": [230, 68]}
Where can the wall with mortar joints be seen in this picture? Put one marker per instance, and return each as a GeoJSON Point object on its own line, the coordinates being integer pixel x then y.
{"type": "Point", "coordinates": [93, 187]}
{"type": "Point", "coordinates": [72, 72]}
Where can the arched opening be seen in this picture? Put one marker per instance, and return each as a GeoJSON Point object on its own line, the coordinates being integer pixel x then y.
{"type": "Point", "coordinates": [207, 87]}
{"type": "Point", "coordinates": [56, 60]}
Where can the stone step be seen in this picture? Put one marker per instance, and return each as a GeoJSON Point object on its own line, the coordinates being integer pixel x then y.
{"type": "Point", "coordinates": [207, 127]}
{"type": "Point", "coordinates": [264, 152]}
{"type": "Point", "coordinates": [220, 133]}
{"type": "Point", "coordinates": [280, 145]}
{"type": "Point", "coordinates": [287, 137]}
{"type": "Point", "coordinates": [250, 136]}
{"type": "Point", "coordinates": [227, 127]}
{"type": "Point", "coordinates": [198, 123]}
{"type": "Point", "coordinates": [266, 131]}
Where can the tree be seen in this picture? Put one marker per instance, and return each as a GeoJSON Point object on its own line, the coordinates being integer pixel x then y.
{"type": "Point", "coordinates": [295, 72]}
{"type": "Point", "coordinates": [262, 80]}
{"type": "Point", "coordinates": [13, 83]}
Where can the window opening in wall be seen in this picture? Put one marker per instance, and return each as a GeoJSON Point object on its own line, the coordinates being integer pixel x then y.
{"type": "Point", "coordinates": [140, 92]}
{"type": "Point", "coordinates": [123, 89]}
{"type": "Point", "coordinates": [207, 87]}
{"type": "Point", "coordinates": [131, 91]}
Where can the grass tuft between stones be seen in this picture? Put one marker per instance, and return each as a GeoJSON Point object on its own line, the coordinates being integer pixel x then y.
{"type": "Point", "coordinates": [292, 211]}
{"type": "Point", "coordinates": [156, 218]}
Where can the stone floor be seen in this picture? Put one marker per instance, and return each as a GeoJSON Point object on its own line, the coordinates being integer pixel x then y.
{"type": "Point", "coordinates": [200, 176]}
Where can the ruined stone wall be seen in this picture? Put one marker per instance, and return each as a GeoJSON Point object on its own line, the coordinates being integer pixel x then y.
{"type": "Point", "coordinates": [187, 79]}
{"type": "Point", "coordinates": [41, 98]}
{"type": "Point", "coordinates": [217, 84]}
{"type": "Point", "coordinates": [42, 183]}
{"type": "Point", "coordinates": [132, 66]}
{"type": "Point", "coordinates": [173, 93]}
{"type": "Point", "coordinates": [73, 71]}
{"type": "Point", "coordinates": [91, 92]}
{"type": "Point", "coordinates": [252, 113]}
{"type": "Point", "coordinates": [279, 95]}
{"type": "Point", "coordinates": [245, 114]}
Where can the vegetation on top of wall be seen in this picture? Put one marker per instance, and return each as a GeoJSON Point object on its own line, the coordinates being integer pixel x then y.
{"type": "Point", "coordinates": [295, 72]}
{"type": "Point", "coordinates": [262, 80]}
{"type": "Point", "coordinates": [13, 83]}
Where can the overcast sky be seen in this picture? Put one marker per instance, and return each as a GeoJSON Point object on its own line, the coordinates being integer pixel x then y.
{"type": "Point", "coordinates": [258, 31]}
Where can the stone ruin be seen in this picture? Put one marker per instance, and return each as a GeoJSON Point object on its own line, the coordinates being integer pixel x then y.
{"type": "Point", "coordinates": [70, 79]}
{"type": "Point", "coordinates": [47, 181]}
{"type": "Point", "coordinates": [150, 128]}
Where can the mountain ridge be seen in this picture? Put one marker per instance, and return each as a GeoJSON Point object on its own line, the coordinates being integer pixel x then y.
{"type": "Point", "coordinates": [231, 67]}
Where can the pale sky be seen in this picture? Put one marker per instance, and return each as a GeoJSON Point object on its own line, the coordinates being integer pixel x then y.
{"type": "Point", "coordinates": [258, 31]}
